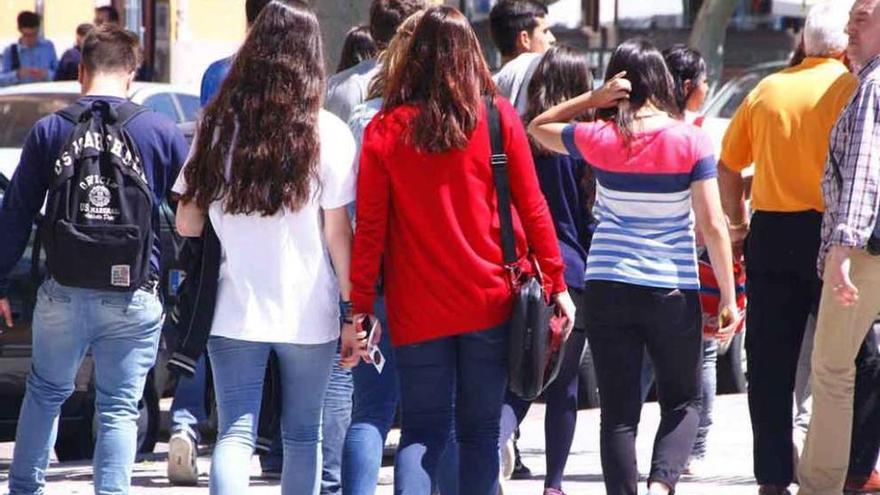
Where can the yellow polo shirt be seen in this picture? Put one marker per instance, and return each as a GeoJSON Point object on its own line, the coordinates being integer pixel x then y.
{"type": "Point", "coordinates": [783, 127]}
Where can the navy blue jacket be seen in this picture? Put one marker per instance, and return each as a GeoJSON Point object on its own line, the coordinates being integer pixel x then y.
{"type": "Point", "coordinates": [565, 182]}
{"type": "Point", "coordinates": [163, 150]}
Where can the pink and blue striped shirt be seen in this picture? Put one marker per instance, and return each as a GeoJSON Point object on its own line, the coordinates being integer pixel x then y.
{"type": "Point", "coordinates": [645, 234]}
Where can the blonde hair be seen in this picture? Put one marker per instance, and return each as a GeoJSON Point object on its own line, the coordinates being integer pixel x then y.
{"type": "Point", "coordinates": [393, 53]}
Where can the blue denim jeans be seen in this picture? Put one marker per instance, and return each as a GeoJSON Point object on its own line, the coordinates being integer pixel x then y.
{"type": "Point", "coordinates": [337, 418]}
{"type": "Point", "coordinates": [373, 407]}
{"type": "Point", "coordinates": [188, 409]}
{"type": "Point", "coordinates": [374, 404]}
{"type": "Point", "coordinates": [122, 330]}
{"type": "Point", "coordinates": [239, 369]}
{"type": "Point", "coordinates": [451, 386]}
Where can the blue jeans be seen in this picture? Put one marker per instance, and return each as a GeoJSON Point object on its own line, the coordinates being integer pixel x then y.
{"type": "Point", "coordinates": [122, 330]}
{"type": "Point", "coordinates": [451, 384]}
{"type": "Point", "coordinates": [374, 404]}
{"type": "Point", "coordinates": [709, 379]}
{"type": "Point", "coordinates": [188, 409]}
{"type": "Point", "coordinates": [337, 417]}
{"type": "Point", "coordinates": [239, 369]}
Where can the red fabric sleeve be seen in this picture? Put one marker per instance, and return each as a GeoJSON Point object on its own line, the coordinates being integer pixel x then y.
{"type": "Point", "coordinates": [529, 201]}
{"type": "Point", "coordinates": [373, 196]}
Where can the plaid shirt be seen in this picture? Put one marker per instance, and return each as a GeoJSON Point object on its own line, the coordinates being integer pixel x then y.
{"type": "Point", "coordinates": [852, 198]}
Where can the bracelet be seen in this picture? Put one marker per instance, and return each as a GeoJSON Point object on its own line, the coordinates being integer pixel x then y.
{"type": "Point", "coordinates": [738, 226]}
{"type": "Point", "coordinates": [346, 312]}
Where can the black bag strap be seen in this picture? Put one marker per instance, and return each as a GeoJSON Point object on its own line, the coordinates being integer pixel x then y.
{"type": "Point", "coordinates": [73, 112]}
{"type": "Point", "coordinates": [501, 177]}
{"type": "Point", "coordinates": [122, 113]}
{"type": "Point", "coordinates": [16, 60]}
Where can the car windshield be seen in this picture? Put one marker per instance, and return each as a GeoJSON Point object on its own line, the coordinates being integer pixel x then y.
{"type": "Point", "coordinates": [18, 113]}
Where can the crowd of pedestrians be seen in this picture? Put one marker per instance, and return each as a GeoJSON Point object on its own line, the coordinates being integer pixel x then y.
{"type": "Point", "coordinates": [33, 58]}
{"type": "Point", "coordinates": [346, 259]}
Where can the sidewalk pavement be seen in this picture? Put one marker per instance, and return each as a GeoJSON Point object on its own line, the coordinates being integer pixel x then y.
{"type": "Point", "coordinates": [729, 471]}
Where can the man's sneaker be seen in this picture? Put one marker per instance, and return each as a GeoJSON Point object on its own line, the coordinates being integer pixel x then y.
{"type": "Point", "coordinates": [871, 484]}
{"type": "Point", "coordinates": [182, 456]}
{"type": "Point", "coordinates": [553, 491]}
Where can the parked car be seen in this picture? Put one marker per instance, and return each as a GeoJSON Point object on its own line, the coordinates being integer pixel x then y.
{"type": "Point", "coordinates": [20, 108]}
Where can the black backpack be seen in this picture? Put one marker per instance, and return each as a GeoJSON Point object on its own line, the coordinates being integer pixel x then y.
{"type": "Point", "coordinates": [98, 228]}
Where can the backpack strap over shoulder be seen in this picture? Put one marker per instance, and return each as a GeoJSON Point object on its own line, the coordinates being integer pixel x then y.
{"type": "Point", "coordinates": [73, 113]}
{"type": "Point", "coordinates": [127, 111]}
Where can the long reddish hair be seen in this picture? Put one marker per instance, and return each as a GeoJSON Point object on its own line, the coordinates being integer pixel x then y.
{"type": "Point", "coordinates": [446, 77]}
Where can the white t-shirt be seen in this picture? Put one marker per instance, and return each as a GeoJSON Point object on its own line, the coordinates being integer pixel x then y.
{"type": "Point", "coordinates": [276, 280]}
{"type": "Point", "coordinates": [513, 79]}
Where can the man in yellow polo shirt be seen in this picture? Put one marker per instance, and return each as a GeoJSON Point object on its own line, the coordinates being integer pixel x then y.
{"type": "Point", "coordinates": [783, 127]}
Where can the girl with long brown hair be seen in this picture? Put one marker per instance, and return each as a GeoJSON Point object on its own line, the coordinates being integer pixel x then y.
{"type": "Point", "coordinates": [427, 207]}
{"type": "Point", "coordinates": [273, 173]}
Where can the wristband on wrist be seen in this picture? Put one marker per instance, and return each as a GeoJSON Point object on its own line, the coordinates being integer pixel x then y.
{"type": "Point", "coordinates": [346, 312]}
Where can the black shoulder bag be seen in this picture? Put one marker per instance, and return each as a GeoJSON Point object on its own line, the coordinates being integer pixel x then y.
{"type": "Point", "coordinates": [536, 343]}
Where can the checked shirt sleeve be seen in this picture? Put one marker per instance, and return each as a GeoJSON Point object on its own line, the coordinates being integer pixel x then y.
{"type": "Point", "coordinates": [856, 206]}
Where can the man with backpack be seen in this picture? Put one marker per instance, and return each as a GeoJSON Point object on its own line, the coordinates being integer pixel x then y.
{"type": "Point", "coordinates": [31, 58]}
{"type": "Point", "coordinates": [106, 165]}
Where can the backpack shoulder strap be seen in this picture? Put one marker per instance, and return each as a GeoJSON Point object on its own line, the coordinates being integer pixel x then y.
{"type": "Point", "coordinates": [500, 176]}
{"type": "Point", "coordinates": [16, 60]}
{"type": "Point", "coordinates": [73, 113]}
{"type": "Point", "coordinates": [127, 111]}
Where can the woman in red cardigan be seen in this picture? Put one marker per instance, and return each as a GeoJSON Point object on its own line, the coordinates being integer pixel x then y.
{"type": "Point", "coordinates": [427, 216]}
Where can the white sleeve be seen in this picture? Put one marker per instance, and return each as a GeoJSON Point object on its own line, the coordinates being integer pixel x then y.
{"type": "Point", "coordinates": [338, 175]}
{"type": "Point", "coordinates": [180, 185]}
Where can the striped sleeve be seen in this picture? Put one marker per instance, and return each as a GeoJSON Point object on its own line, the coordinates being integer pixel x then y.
{"type": "Point", "coordinates": [705, 163]}
{"type": "Point", "coordinates": [580, 139]}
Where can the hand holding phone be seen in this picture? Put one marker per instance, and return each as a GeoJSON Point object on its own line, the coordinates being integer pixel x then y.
{"type": "Point", "coordinates": [374, 354]}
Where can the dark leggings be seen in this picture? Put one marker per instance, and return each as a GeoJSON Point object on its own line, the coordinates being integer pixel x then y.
{"type": "Point", "coordinates": [623, 320]}
{"type": "Point", "coordinates": [561, 415]}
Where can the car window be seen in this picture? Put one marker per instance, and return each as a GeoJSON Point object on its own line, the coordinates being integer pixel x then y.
{"type": "Point", "coordinates": [18, 113]}
{"type": "Point", "coordinates": [190, 105]}
{"type": "Point", "coordinates": [162, 103]}
{"type": "Point", "coordinates": [738, 93]}
{"type": "Point", "coordinates": [731, 95]}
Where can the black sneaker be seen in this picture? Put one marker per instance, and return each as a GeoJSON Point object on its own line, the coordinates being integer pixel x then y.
{"type": "Point", "coordinates": [520, 470]}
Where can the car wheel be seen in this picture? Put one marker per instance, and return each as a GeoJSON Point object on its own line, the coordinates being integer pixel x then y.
{"type": "Point", "coordinates": [79, 426]}
{"type": "Point", "coordinates": [588, 385]}
{"type": "Point", "coordinates": [732, 368]}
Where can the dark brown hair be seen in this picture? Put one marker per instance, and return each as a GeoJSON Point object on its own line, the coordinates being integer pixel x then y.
{"type": "Point", "coordinates": [358, 46]}
{"type": "Point", "coordinates": [508, 18]}
{"type": "Point", "coordinates": [28, 20]}
{"type": "Point", "coordinates": [264, 119]}
{"type": "Point", "coordinates": [562, 74]}
{"type": "Point", "coordinates": [445, 76]}
{"type": "Point", "coordinates": [393, 54]}
{"type": "Point", "coordinates": [109, 48]}
{"type": "Point", "coordinates": [386, 15]}
{"type": "Point", "coordinates": [651, 82]}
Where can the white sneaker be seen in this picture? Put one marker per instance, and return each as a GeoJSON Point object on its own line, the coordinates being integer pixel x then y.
{"type": "Point", "coordinates": [182, 456]}
{"type": "Point", "coordinates": [507, 460]}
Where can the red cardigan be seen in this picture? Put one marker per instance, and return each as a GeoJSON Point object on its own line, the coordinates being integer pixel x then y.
{"type": "Point", "coordinates": [434, 219]}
